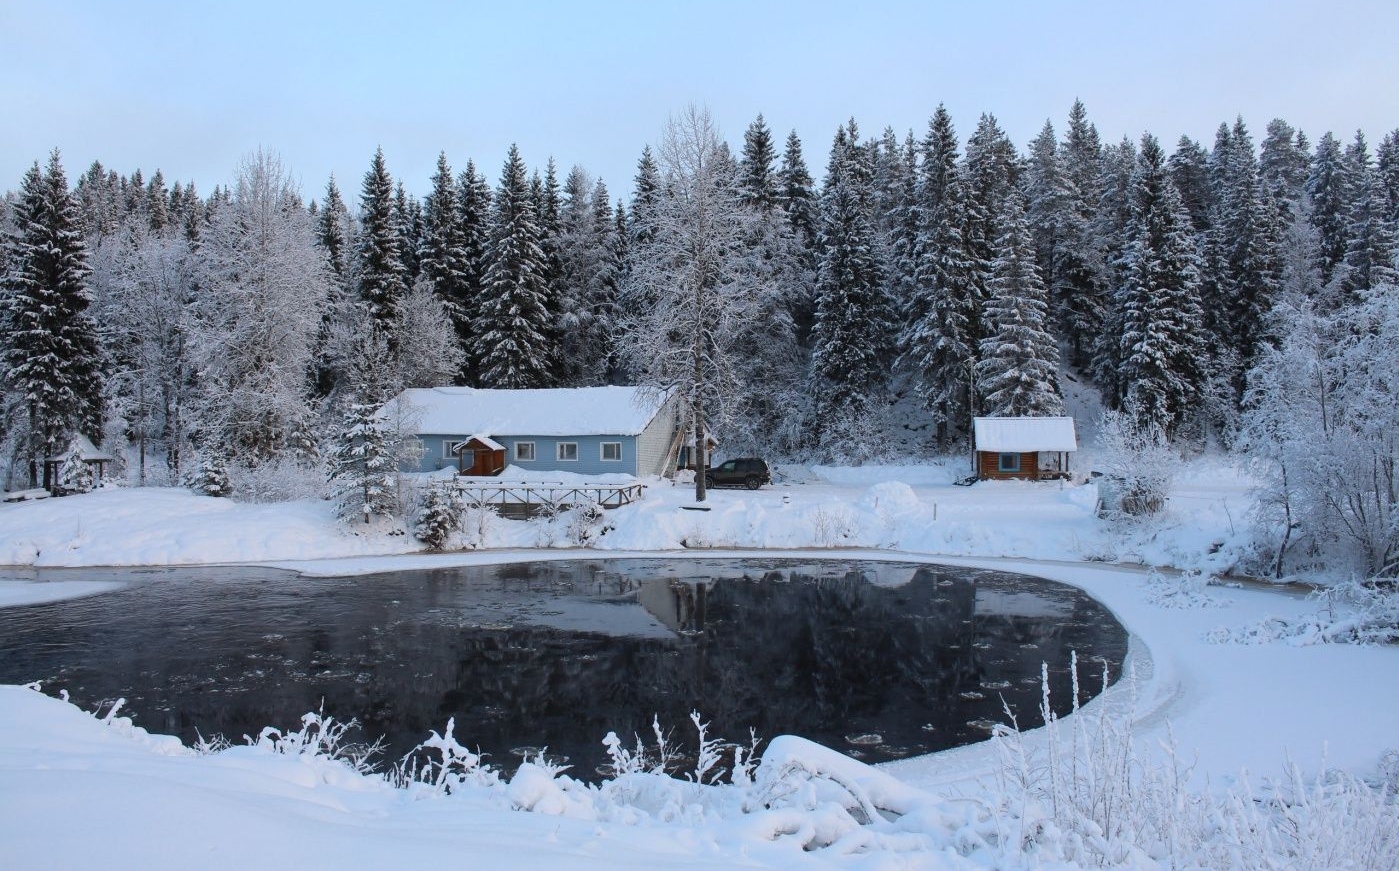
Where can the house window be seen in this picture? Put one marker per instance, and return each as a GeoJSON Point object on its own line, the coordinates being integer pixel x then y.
{"type": "Point", "coordinates": [524, 452]}
{"type": "Point", "coordinates": [1009, 463]}
{"type": "Point", "coordinates": [568, 451]}
{"type": "Point", "coordinates": [447, 445]}
{"type": "Point", "coordinates": [612, 451]}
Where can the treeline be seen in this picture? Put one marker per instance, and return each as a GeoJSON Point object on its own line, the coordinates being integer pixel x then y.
{"type": "Point", "coordinates": [965, 278]}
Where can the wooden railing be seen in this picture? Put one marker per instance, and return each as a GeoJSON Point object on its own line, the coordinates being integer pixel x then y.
{"type": "Point", "coordinates": [533, 496]}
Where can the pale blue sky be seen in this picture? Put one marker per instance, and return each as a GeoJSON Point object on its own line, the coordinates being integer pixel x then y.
{"type": "Point", "coordinates": [190, 87]}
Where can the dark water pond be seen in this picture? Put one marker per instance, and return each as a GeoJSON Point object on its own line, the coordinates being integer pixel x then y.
{"type": "Point", "coordinates": [880, 660]}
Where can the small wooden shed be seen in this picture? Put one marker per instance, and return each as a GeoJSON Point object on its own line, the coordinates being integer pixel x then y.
{"type": "Point", "coordinates": [479, 455]}
{"type": "Point", "coordinates": [1032, 448]}
{"type": "Point", "coordinates": [87, 452]}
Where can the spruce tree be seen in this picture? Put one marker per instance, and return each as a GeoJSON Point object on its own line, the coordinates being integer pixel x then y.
{"type": "Point", "coordinates": [514, 323]}
{"type": "Point", "coordinates": [646, 192]}
{"type": "Point", "coordinates": [1076, 286]}
{"type": "Point", "coordinates": [362, 468]}
{"type": "Point", "coordinates": [992, 170]}
{"type": "Point", "coordinates": [1387, 167]}
{"type": "Point", "coordinates": [379, 258]}
{"type": "Point", "coordinates": [1161, 341]}
{"type": "Point", "coordinates": [1283, 161]}
{"type": "Point", "coordinates": [50, 348]}
{"type": "Point", "coordinates": [1330, 197]}
{"type": "Point", "coordinates": [760, 185]}
{"type": "Point", "coordinates": [408, 218]}
{"type": "Point", "coordinates": [849, 332]}
{"type": "Point", "coordinates": [1190, 170]}
{"type": "Point", "coordinates": [1371, 247]}
{"type": "Point", "coordinates": [333, 231]}
{"type": "Point", "coordinates": [1018, 373]}
{"type": "Point", "coordinates": [442, 256]}
{"type": "Point", "coordinates": [797, 194]}
{"type": "Point", "coordinates": [939, 344]}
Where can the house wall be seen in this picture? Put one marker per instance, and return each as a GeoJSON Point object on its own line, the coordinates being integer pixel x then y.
{"type": "Point", "coordinates": [653, 444]}
{"type": "Point", "coordinates": [589, 460]}
{"type": "Point", "coordinates": [988, 466]}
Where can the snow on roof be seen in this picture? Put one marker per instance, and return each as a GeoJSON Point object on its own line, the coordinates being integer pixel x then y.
{"type": "Point", "coordinates": [1025, 434]}
{"type": "Point", "coordinates": [578, 411]}
{"type": "Point", "coordinates": [485, 441]}
{"type": "Point", "coordinates": [87, 451]}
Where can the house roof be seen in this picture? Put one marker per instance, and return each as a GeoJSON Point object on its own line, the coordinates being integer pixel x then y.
{"type": "Point", "coordinates": [1024, 434]}
{"type": "Point", "coordinates": [484, 441]}
{"type": "Point", "coordinates": [87, 451]}
{"type": "Point", "coordinates": [579, 411]}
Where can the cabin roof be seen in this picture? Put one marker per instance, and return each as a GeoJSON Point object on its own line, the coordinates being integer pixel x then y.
{"type": "Point", "coordinates": [87, 452]}
{"type": "Point", "coordinates": [484, 441]}
{"type": "Point", "coordinates": [579, 411]}
{"type": "Point", "coordinates": [1023, 434]}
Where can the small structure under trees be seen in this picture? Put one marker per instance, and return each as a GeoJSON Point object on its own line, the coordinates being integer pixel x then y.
{"type": "Point", "coordinates": [80, 450]}
{"type": "Point", "coordinates": [1034, 448]}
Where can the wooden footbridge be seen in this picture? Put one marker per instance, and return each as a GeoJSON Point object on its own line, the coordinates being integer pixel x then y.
{"type": "Point", "coordinates": [529, 498]}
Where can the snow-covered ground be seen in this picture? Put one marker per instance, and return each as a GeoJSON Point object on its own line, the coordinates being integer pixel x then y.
{"type": "Point", "coordinates": [78, 791]}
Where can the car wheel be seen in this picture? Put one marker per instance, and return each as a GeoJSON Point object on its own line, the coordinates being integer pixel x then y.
{"type": "Point", "coordinates": [753, 482]}
{"type": "Point", "coordinates": [709, 482]}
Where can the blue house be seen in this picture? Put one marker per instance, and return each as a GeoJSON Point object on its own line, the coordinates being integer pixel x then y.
{"type": "Point", "coordinates": [586, 430]}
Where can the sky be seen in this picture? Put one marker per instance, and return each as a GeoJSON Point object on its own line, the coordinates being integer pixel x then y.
{"type": "Point", "coordinates": [191, 88]}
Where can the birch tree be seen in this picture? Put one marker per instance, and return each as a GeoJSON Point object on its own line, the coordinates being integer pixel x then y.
{"type": "Point", "coordinates": [691, 270]}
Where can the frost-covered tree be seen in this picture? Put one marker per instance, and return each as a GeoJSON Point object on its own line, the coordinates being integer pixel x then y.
{"type": "Point", "coordinates": [1190, 170]}
{"type": "Point", "coordinates": [939, 339]}
{"type": "Point", "coordinates": [1018, 373]}
{"type": "Point", "coordinates": [514, 325]}
{"type": "Point", "coordinates": [49, 345]}
{"type": "Point", "coordinates": [689, 271]}
{"type": "Point", "coordinates": [439, 516]}
{"type": "Point", "coordinates": [587, 284]}
{"type": "Point", "coordinates": [443, 253]}
{"type": "Point", "coordinates": [852, 332]}
{"type": "Point", "coordinates": [761, 185]}
{"type": "Point", "coordinates": [1370, 247]}
{"type": "Point", "coordinates": [263, 284]}
{"type": "Point", "coordinates": [408, 220]}
{"type": "Point", "coordinates": [474, 209]}
{"type": "Point", "coordinates": [363, 471]}
{"type": "Point", "coordinates": [333, 231]}
{"type": "Point", "coordinates": [1283, 161]}
{"type": "Point", "coordinates": [380, 274]}
{"type": "Point", "coordinates": [798, 195]}
{"type": "Point", "coordinates": [1158, 317]}
{"type": "Point", "coordinates": [1328, 190]}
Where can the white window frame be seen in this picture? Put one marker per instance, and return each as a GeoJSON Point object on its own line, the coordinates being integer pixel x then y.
{"type": "Point", "coordinates": [447, 448]}
{"type": "Point", "coordinates": [602, 452]}
{"type": "Point", "coordinates": [519, 456]}
{"type": "Point", "coordinates": [558, 452]}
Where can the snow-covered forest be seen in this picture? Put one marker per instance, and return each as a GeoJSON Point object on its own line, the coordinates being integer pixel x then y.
{"type": "Point", "coordinates": [1236, 295]}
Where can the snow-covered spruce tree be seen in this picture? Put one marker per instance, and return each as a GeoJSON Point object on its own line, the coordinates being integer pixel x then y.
{"type": "Point", "coordinates": [333, 231]}
{"type": "Point", "coordinates": [759, 182]}
{"type": "Point", "coordinates": [1189, 166]}
{"type": "Point", "coordinates": [689, 293]}
{"type": "Point", "coordinates": [851, 329]}
{"type": "Point", "coordinates": [74, 475]}
{"type": "Point", "coordinates": [363, 472]}
{"type": "Point", "coordinates": [50, 347]}
{"type": "Point", "coordinates": [443, 253]}
{"type": "Point", "coordinates": [474, 221]}
{"type": "Point", "coordinates": [1283, 161]}
{"type": "Point", "coordinates": [1110, 227]}
{"type": "Point", "coordinates": [938, 343]}
{"type": "Point", "coordinates": [439, 515]}
{"type": "Point", "coordinates": [408, 219]}
{"type": "Point", "coordinates": [587, 283]}
{"type": "Point", "coordinates": [1018, 373]}
{"type": "Point", "coordinates": [513, 327]}
{"type": "Point", "coordinates": [263, 284]}
{"type": "Point", "coordinates": [798, 196]}
{"type": "Point", "coordinates": [1077, 288]}
{"type": "Point", "coordinates": [1329, 193]}
{"type": "Point", "coordinates": [1371, 247]}
{"type": "Point", "coordinates": [380, 274]}
{"type": "Point", "coordinates": [1161, 343]}
{"type": "Point", "coordinates": [210, 476]}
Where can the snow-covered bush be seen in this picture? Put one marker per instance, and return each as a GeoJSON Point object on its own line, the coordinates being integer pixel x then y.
{"type": "Point", "coordinates": [439, 516]}
{"type": "Point", "coordinates": [1186, 590]}
{"type": "Point", "coordinates": [1353, 612]}
{"type": "Point", "coordinates": [584, 522]}
{"type": "Point", "coordinates": [1137, 463]}
{"type": "Point", "coordinates": [321, 737]}
{"type": "Point", "coordinates": [281, 480]}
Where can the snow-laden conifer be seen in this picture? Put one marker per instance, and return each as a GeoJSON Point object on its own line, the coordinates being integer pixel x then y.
{"type": "Point", "coordinates": [514, 323]}
{"type": "Point", "coordinates": [1018, 373]}
{"type": "Point", "coordinates": [382, 278]}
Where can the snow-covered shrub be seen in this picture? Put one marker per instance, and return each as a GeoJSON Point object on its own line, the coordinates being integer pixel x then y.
{"type": "Point", "coordinates": [832, 525]}
{"type": "Point", "coordinates": [442, 765]}
{"type": "Point", "coordinates": [1137, 463]}
{"type": "Point", "coordinates": [1184, 591]}
{"type": "Point", "coordinates": [584, 522]}
{"type": "Point", "coordinates": [210, 477]}
{"type": "Point", "coordinates": [439, 515]}
{"type": "Point", "coordinates": [320, 736]}
{"type": "Point", "coordinates": [281, 480]}
{"type": "Point", "coordinates": [1354, 612]}
{"type": "Point", "coordinates": [478, 521]}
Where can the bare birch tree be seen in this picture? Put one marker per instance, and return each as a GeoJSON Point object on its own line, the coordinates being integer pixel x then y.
{"type": "Point", "coordinates": [690, 293]}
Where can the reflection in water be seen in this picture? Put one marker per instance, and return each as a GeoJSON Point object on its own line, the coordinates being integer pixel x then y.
{"type": "Point", "coordinates": [880, 660]}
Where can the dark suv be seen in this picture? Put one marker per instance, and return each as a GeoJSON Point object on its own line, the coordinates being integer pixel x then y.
{"type": "Point", "coordinates": [749, 472]}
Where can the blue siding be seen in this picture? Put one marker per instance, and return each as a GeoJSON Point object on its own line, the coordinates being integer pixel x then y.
{"type": "Point", "coordinates": [589, 460]}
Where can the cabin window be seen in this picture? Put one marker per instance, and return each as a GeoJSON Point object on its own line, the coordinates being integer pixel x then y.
{"type": "Point", "coordinates": [524, 452]}
{"type": "Point", "coordinates": [612, 451]}
{"type": "Point", "coordinates": [568, 451]}
{"type": "Point", "coordinates": [447, 445]}
{"type": "Point", "coordinates": [1009, 463]}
